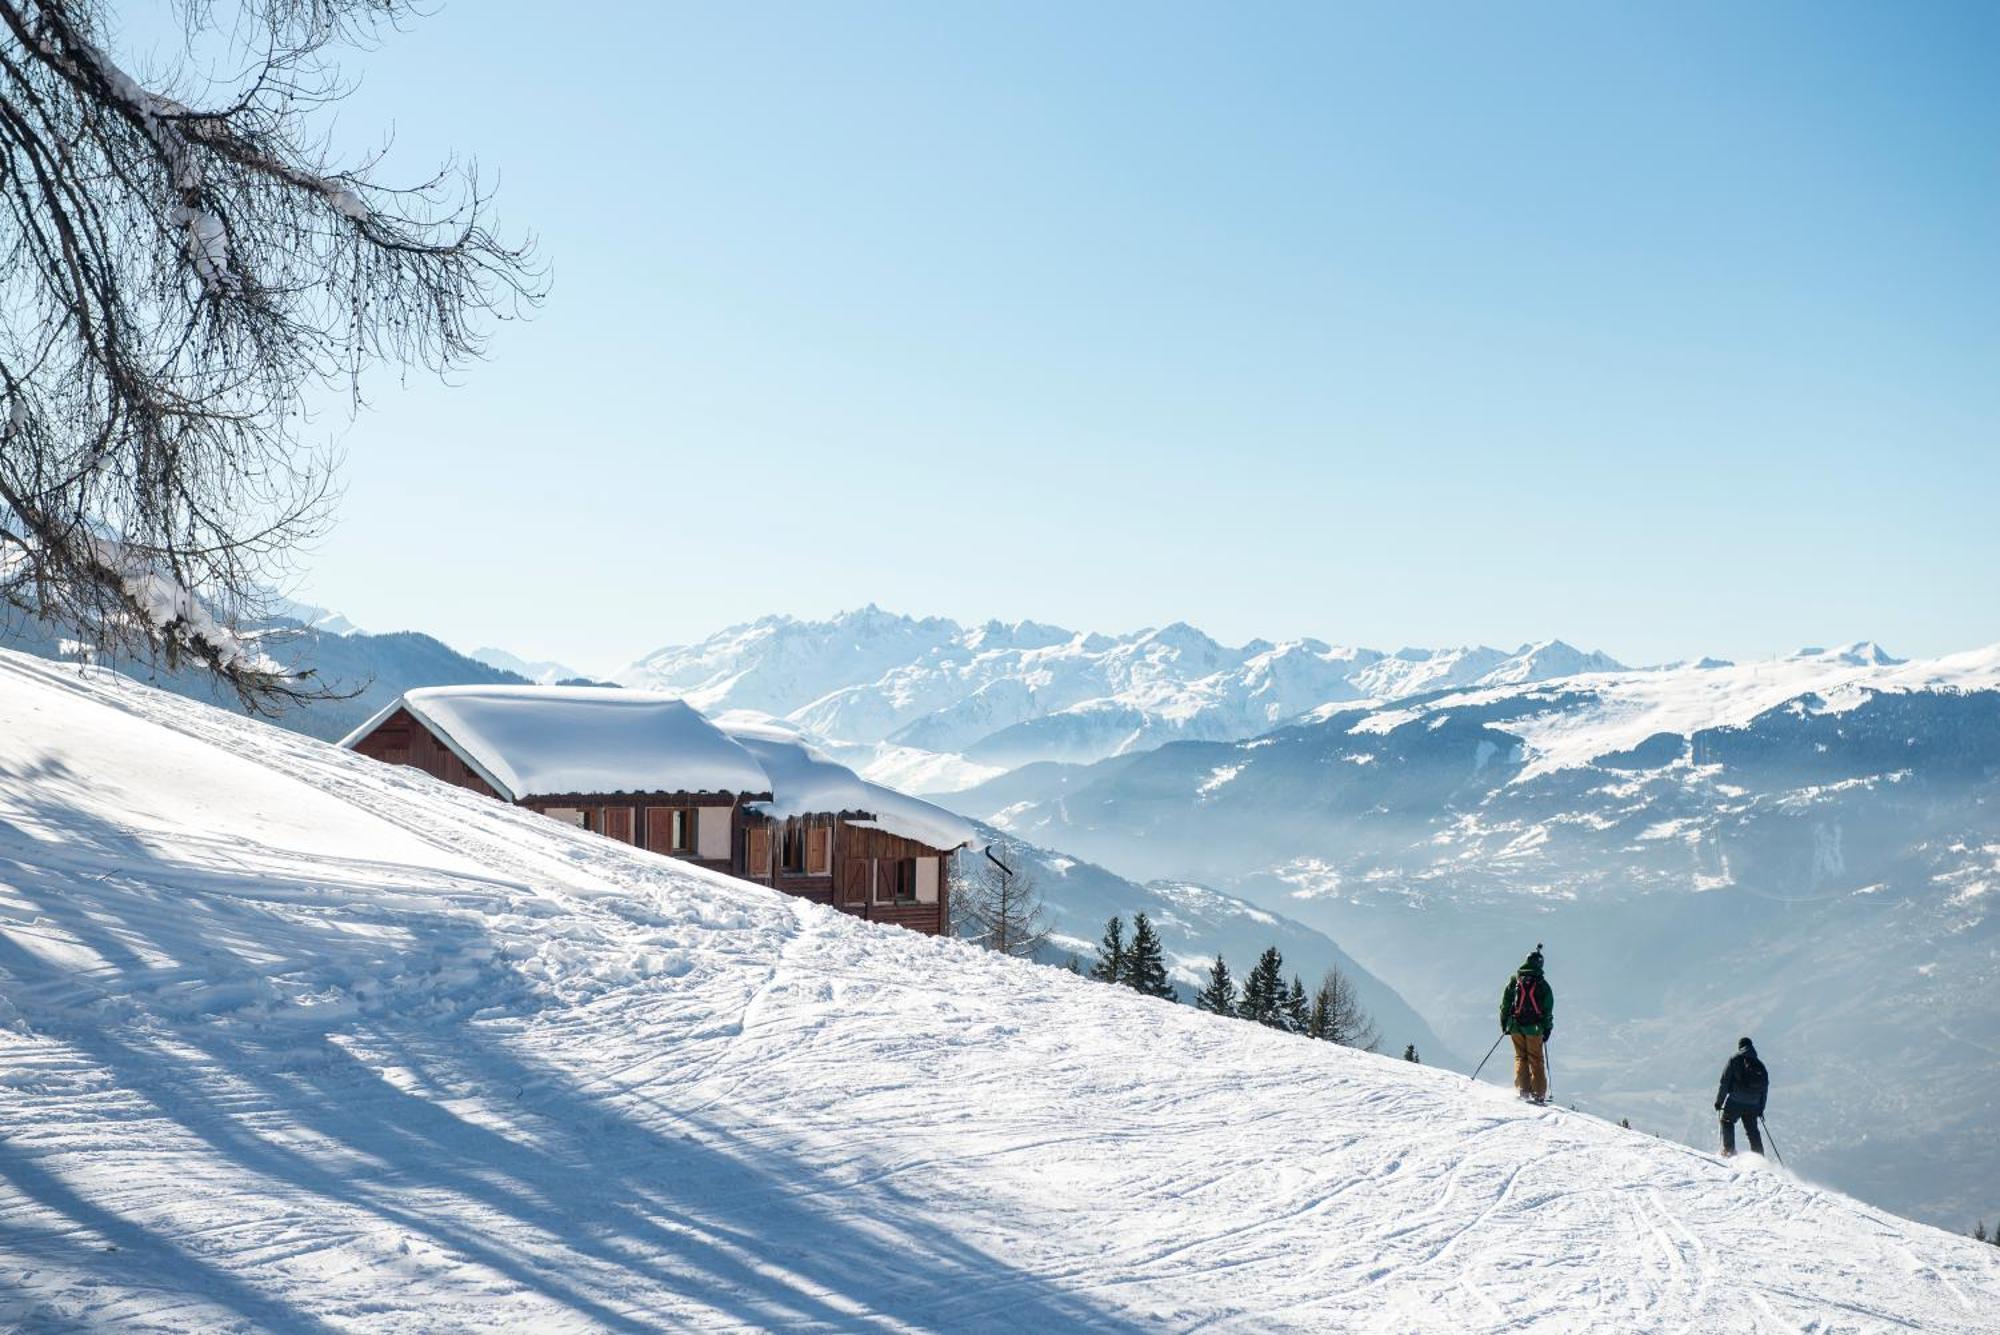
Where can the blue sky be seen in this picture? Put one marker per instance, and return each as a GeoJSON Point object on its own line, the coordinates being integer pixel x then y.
{"type": "Point", "coordinates": [1668, 330]}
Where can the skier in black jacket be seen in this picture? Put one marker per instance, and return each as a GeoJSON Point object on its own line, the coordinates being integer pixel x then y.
{"type": "Point", "coordinates": [1740, 1097]}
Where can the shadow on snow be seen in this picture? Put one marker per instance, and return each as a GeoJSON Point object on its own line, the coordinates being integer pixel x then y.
{"type": "Point", "coordinates": [572, 1199]}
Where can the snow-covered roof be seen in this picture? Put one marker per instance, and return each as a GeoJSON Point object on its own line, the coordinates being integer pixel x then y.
{"type": "Point", "coordinates": [538, 741]}
{"type": "Point", "coordinates": [805, 782]}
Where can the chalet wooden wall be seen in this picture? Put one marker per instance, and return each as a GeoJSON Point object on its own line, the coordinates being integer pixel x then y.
{"type": "Point", "coordinates": [854, 846]}
{"type": "Point", "coordinates": [401, 740]}
{"type": "Point", "coordinates": [625, 817]}
{"type": "Point", "coordinates": [852, 885]}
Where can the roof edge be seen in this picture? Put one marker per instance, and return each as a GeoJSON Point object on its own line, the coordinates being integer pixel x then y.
{"type": "Point", "coordinates": [375, 721]}
{"type": "Point", "coordinates": [444, 735]}
{"type": "Point", "coordinates": [441, 735]}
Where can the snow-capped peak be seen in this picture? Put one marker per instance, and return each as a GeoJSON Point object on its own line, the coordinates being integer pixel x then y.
{"type": "Point", "coordinates": [1861, 653]}
{"type": "Point", "coordinates": [1548, 659]}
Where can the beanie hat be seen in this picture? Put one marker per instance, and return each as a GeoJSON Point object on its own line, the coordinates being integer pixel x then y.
{"type": "Point", "coordinates": [1745, 1045]}
{"type": "Point", "coordinates": [1533, 964]}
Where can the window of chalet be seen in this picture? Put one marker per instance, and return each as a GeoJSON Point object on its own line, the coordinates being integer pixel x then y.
{"type": "Point", "coordinates": [806, 849]}
{"type": "Point", "coordinates": [670, 829]}
{"type": "Point", "coordinates": [896, 881]}
{"type": "Point", "coordinates": [568, 815]}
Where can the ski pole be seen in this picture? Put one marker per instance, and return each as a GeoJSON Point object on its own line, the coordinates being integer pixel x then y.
{"type": "Point", "coordinates": [1773, 1139]}
{"type": "Point", "coordinates": [1488, 1057]}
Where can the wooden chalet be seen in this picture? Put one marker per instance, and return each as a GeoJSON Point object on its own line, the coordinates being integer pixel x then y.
{"type": "Point", "coordinates": [646, 769]}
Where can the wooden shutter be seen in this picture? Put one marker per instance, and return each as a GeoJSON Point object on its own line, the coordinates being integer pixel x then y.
{"type": "Point", "coordinates": [618, 823]}
{"type": "Point", "coordinates": [854, 884]}
{"type": "Point", "coordinates": [819, 850]}
{"type": "Point", "coordinates": [660, 829]}
{"type": "Point", "coordinates": [760, 851]}
{"type": "Point", "coordinates": [885, 881]}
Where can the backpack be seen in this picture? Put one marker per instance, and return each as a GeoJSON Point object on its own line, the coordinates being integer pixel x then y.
{"type": "Point", "coordinates": [1527, 1007]}
{"type": "Point", "coordinates": [1752, 1083]}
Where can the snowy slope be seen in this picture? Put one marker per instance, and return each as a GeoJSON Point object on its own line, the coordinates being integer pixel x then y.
{"type": "Point", "coordinates": [948, 706]}
{"type": "Point", "coordinates": [1806, 849]}
{"type": "Point", "coordinates": [297, 1041]}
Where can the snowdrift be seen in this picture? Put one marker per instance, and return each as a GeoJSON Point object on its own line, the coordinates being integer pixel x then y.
{"type": "Point", "coordinates": [293, 1040]}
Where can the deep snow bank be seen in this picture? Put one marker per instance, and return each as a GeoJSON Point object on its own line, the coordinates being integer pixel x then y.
{"type": "Point", "coordinates": [298, 1041]}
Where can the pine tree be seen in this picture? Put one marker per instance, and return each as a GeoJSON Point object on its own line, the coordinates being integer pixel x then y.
{"type": "Point", "coordinates": [1219, 996]}
{"type": "Point", "coordinates": [1410, 1054]}
{"type": "Point", "coordinates": [1144, 968]}
{"type": "Point", "coordinates": [1264, 991]}
{"type": "Point", "coordinates": [1979, 1231]}
{"type": "Point", "coordinates": [1298, 1011]}
{"type": "Point", "coordinates": [1073, 964]}
{"type": "Point", "coordinates": [1110, 966]}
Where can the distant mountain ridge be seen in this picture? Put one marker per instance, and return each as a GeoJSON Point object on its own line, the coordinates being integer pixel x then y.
{"type": "Point", "coordinates": [947, 705]}
{"type": "Point", "coordinates": [365, 671]}
{"type": "Point", "coordinates": [543, 672]}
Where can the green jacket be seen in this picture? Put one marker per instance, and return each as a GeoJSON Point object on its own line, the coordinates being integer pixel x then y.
{"type": "Point", "coordinates": [1538, 1007]}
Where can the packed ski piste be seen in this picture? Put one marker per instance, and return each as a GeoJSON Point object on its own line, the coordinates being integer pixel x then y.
{"type": "Point", "coordinates": [294, 1040]}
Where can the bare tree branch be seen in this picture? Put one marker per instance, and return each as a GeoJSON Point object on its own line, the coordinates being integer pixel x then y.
{"type": "Point", "coordinates": [999, 911]}
{"type": "Point", "coordinates": [177, 273]}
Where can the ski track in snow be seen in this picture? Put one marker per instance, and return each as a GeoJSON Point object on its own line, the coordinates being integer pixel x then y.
{"type": "Point", "coordinates": [301, 1042]}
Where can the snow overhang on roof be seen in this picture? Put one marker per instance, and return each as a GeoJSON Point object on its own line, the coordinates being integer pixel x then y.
{"type": "Point", "coordinates": [544, 741]}
{"type": "Point", "coordinates": [806, 783]}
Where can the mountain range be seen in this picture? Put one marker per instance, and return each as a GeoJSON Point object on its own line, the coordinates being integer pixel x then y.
{"type": "Point", "coordinates": [935, 706]}
{"type": "Point", "coordinates": [361, 672]}
{"type": "Point", "coordinates": [543, 672]}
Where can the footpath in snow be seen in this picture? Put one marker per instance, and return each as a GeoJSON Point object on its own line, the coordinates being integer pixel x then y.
{"type": "Point", "coordinates": [290, 1040]}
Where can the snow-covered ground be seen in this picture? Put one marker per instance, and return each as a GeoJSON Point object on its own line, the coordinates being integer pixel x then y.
{"type": "Point", "coordinates": [296, 1041]}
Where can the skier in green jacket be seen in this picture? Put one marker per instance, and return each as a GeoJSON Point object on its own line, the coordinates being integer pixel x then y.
{"type": "Point", "coordinates": [1528, 1015]}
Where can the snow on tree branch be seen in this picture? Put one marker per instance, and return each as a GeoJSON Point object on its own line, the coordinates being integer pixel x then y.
{"type": "Point", "coordinates": [178, 269]}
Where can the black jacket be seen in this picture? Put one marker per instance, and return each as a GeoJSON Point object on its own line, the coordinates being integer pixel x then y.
{"type": "Point", "coordinates": [1745, 1083]}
